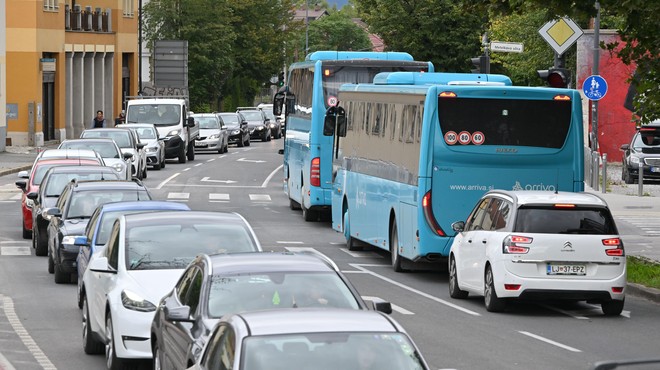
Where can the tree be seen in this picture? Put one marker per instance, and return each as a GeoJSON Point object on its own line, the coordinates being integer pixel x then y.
{"type": "Point", "coordinates": [337, 32]}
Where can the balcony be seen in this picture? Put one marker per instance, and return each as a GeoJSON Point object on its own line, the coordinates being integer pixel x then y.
{"type": "Point", "coordinates": [85, 19]}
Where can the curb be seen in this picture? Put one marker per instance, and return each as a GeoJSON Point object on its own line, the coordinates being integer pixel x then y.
{"type": "Point", "coordinates": [637, 290]}
{"type": "Point", "coordinates": [9, 171]}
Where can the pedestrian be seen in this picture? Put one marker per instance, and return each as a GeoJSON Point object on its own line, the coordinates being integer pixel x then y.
{"type": "Point", "coordinates": [99, 120]}
{"type": "Point", "coordinates": [121, 119]}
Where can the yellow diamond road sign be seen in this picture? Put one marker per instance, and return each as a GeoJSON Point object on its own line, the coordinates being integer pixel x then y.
{"type": "Point", "coordinates": [561, 34]}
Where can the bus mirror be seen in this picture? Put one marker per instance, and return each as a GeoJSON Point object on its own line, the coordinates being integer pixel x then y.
{"type": "Point", "coordinates": [329, 124]}
{"type": "Point", "coordinates": [341, 122]}
{"type": "Point", "coordinates": [278, 101]}
{"type": "Point", "coordinates": [290, 104]}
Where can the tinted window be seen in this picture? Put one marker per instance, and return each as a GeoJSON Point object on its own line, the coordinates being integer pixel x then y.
{"type": "Point", "coordinates": [106, 150]}
{"type": "Point", "coordinates": [474, 220]}
{"type": "Point", "coordinates": [230, 119]}
{"type": "Point", "coordinates": [550, 220]}
{"type": "Point", "coordinates": [57, 181]}
{"type": "Point", "coordinates": [252, 116]}
{"type": "Point", "coordinates": [519, 122]}
{"type": "Point", "coordinates": [83, 203]}
{"type": "Point", "coordinates": [207, 122]}
{"type": "Point", "coordinates": [647, 141]}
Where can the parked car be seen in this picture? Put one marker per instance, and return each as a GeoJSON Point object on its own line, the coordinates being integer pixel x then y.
{"type": "Point", "coordinates": [71, 213]}
{"type": "Point", "coordinates": [32, 179]}
{"type": "Point", "coordinates": [143, 258]}
{"type": "Point", "coordinates": [238, 130]}
{"type": "Point", "coordinates": [128, 142]}
{"type": "Point", "coordinates": [221, 284]}
{"type": "Point", "coordinates": [55, 179]}
{"type": "Point", "coordinates": [258, 123]}
{"type": "Point", "coordinates": [213, 135]}
{"type": "Point", "coordinates": [644, 148]}
{"type": "Point", "coordinates": [539, 245]}
{"type": "Point", "coordinates": [275, 124]}
{"type": "Point", "coordinates": [154, 144]}
{"type": "Point", "coordinates": [98, 229]}
{"type": "Point", "coordinates": [109, 151]}
{"type": "Point", "coordinates": [269, 107]}
{"type": "Point", "coordinates": [310, 338]}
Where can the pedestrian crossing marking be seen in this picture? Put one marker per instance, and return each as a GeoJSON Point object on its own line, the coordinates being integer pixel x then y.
{"type": "Point", "coordinates": [219, 196]}
{"type": "Point", "coordinates": [178, 195]}
{"type": "Point", "coordinates": [260, 197]}
{"type": "Point", "coordinates": [15, 251]}
{"type": "Point", "coordinates": [17, 196]}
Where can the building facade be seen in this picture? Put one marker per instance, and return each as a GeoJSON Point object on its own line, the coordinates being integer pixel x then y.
{"type": "Point", "coordinates": [64, 61]}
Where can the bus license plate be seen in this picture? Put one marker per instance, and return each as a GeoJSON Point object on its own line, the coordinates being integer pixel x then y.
{"type": "Point", "coordinates": [559, 269]}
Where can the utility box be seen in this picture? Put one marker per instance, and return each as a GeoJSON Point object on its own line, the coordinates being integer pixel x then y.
{"type": "Point", "coordinates": [171, 63]}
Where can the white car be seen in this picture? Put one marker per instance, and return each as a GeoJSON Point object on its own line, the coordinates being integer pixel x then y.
{"type": "Point", "coordinates": [144, 257]}
{"type": "Point", "coordinates": [154, 145]}
{"type": "Point", "coordinates": [541, 246]}
{"type": "Point", "coordinates": [109, 151]}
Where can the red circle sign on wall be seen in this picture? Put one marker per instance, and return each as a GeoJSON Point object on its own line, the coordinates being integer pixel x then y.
{"type": "Point", "coordinates": [478, 138]}
{"type": "Point", "coordinates": [464, 137]}
{"type": "Point", "coordinates": [451, 138]}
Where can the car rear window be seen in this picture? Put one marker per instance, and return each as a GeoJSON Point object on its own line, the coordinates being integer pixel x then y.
{"type": "Point", "coordinates": [553, 220]}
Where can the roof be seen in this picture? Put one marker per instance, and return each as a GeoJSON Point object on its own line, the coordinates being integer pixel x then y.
{"type": "Point", "coordinates": [68, 153]}
{"type": "Point", "coordinates": [108, 184]}
{"type": "Point", "coordinates": [522, 197]}
{"type": "Point", "coordinates": [223, 217]}
{"type": "Point", "coordinates": [81, 168]}
{"type": "Point", "coordinates": [311, 14]}
{"type": "Point", "coordinates": [70, 161]}
{"type": "Point", "coordinates": [229, 264]}
{"type": "Point", "coordinates": [314, 320]}
{"type": "Point", "coordinates": [146, 205]}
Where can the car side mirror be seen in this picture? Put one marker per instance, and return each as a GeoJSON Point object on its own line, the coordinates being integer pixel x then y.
{"type": "Point", "coordinates": [180, 313]}
{"type": "Point", "coordinates": [22, 184]}
{"type": "Point", "coordinates": [191, 122]}
{"type": "Point", "coordinates": [51, 212]}
{"type": "Point", "coordinates": [458, 226]}
{"type": "Point", "coordinates": [81, 241]}
{"type": "Point", "coordinates": [381, 305]}
{"type": "Point", "coordinates": [141, 145]}
{"type": "Point", "coordinates": [127, 155]}
{"type": "Point", "coordinates": [100, 264]}
{"type": "Point", "coordinates": [625, 147]}
{"type": "Point", "coordinates": [32, 195]}
{"type": "Point", "coordinates": [23, 175]}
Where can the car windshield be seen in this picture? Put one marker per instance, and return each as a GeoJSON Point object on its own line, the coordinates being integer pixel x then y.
{"type": "Point", "coordinates": [83, 203]}
{"type": "Point", "coordinates": [551, 220]}
{"type": "Point", "coordinates": [57, 181]}
{"type": "Point", "coordinates": [146, 133]}
{"type": "Point", "coordinates": [122, 138]}
{"type": "Point", "coordinates": [230, 119]}
{"type": "Point", "coordinates": [207, 122]}
{"type": "Point", "coordinates": [269, 114]}
{"type": "Point", "coordinates": [333, 350]}
{"type": "Point", "coordinates": [252, 116]}
{"type": "Point", "coordinates": [40, 172]}
{"type": "Point", "coordinates": [174, 245]}
{"type": "Point", "coordinates": [647, 139]}
{"type": "Point", "coordinates": [105, 149]}
{"type": "Point", "coordinates": [157, 114]}
{"type": "Point", "coordinates": [259, 291]}
{"type": "Point", "coordinates": [107, 220]}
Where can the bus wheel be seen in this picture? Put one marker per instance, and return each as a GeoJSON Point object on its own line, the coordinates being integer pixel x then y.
{"type": "Point", "coordinates": [292, 203]}
{"type": "Point", "coordinates": [351, 243]}
{"type": "Point", "coordinates": [394, 249]}
{"type": "Point", "coordinates": [308, 215]}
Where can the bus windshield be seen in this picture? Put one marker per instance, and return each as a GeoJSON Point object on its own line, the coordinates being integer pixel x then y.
{"type": "Point", "coordinates": [519, 122]}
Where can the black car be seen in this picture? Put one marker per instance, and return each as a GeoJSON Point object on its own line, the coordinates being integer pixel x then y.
{"type": "Point", "coordinates": [644, 148]}
{"type": "Point", "coordinates": [55, 179]}
{"type": "Point", "coordinates": [275, 124]}
{"type": "Point", "coordinates": [238, 130]}
{"type": "Point", "coordinates": [216, 285]}
{"type": "Point", "coordinates": [71, 213]}
{"type": "Point", "coordinates": [258, 123]}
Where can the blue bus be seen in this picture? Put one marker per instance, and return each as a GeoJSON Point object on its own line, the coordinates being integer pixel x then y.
{"type": "Point", "coordinates": [415, 152]}
{"type": "Point", "coordinates": [311, 88]}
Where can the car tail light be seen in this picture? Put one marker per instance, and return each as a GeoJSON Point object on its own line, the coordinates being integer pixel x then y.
{"type": "Point", "coordinates": [427, 206]}
{"type": "Point", "coordinates": [617, 244]}
{"type": "Point", "coordinates": [511, 244]}
{"type": "Point", "coordinates": [511, 286]}
{"type": "Point", "coordinates": [617, 289]}
{"type": "Point", "coordinates": [315, 172]}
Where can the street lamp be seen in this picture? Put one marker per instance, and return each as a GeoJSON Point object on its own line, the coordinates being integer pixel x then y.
{"type": "Point", "coordinates": [140, 47]}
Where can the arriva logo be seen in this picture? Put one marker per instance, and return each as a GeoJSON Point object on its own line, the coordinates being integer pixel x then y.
{"type": "Point", "coordinates": [540, 186]}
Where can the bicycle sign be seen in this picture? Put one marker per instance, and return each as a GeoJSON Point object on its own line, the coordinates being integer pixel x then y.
{"type": "Point", "coordinates": [594, 87]}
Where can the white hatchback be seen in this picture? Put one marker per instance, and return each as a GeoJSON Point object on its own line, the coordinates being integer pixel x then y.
{"type": "Point", "coordinates": [540, 246]}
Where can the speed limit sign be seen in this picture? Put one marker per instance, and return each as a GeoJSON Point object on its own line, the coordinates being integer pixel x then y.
{"type": "Point", "coordinates": [464, 137]}
{"type": "Point", "coordinates": [451, 137]}
{"type": "Point", "coordinates": [478, 138]}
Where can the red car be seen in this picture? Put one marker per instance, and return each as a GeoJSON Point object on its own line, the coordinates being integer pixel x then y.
{"type": "Point", "coordinates": [34, 178]}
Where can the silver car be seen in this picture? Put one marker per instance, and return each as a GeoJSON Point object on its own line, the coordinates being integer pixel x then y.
{"type": "Point", "coordinates": [128, 142]}
{"type": "Point", "coordinates": [155, 145]}
{"type": "Point", "coordinates": [109, 151]}
{"type": "Point", "coordinates": [213, 135]}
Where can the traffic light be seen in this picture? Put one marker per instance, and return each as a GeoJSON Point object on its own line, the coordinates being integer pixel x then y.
{"type": "Point", "coordinates": [481, 64]}
{"type": "Point", "coordinates": [555, 77]}
{"type": "Point", "coordinates": [280, 79]}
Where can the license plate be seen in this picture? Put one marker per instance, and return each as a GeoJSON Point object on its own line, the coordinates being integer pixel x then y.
{"type": "Point", "coordinates": [564, 269]}
{"type": "Point", "coordinates": [200, 145]}
{"type": "Point", "coordinates": [655, 169]}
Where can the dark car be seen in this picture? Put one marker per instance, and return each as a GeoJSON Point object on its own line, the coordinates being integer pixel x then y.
{"type": "Point", "coordinates": [275, 124]}
{"type": "Point", "coordinates": [644, 149]}
{"type": "Point", "coordinates": [238, 130]}
{"type": "Point", "coordinates": [258, 123]}
{"type": "Point", "coordinates": [71, 213]}
{"type": "Point", "coordinates": [55, 179]}
{"type": "Point", "coordinates": [217, 285]}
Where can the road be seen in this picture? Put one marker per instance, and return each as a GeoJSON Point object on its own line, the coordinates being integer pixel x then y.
{"type": "Point", "coordinates": [40, 323]}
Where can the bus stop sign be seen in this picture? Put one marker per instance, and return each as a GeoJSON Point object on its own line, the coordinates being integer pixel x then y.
{"type": "Point", "coordinates": [594, 87]}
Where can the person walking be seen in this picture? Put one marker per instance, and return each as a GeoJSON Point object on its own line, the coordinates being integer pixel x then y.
{"type": "Point", "coordinates": [121, 119]}
{"type": "Point", "coordinates": [99, 120]}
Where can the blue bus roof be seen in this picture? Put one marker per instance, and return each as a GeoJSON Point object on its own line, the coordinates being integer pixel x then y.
{"type": "Point", "coordinates": [442, 78]}
{"type": "Point", "coordinates": [345, 55]}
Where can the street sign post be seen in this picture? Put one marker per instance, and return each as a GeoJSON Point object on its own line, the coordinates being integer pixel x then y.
{"type": "Point", "coordinates": [594, 87]}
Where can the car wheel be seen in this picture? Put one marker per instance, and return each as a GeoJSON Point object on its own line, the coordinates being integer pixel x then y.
{"type": "Point", "coordinates": [308, 214]}
{"type": "Point", "coordinates": [91, 346]}
{"type": "Point", "coordinates": [41, 243]}
{"type": "Point", "coordinates": [182, 154]}
{"type": "Point", "coordinates": [61, 277]}
{"type": "Point", "coordinates": [27, 234]}
{"type": "Point", "coordinates": [157, 356]}
{"type": "Point", "coordinates": [51, 264]}
{"type": "Point", "coordinates": [191, 151]}
{"type": "Point", "coordinates": [492, 302]}
{"type": "Point", "coordinates": [397, 260]}
{"type": "Point", "coordinates": [351, 243]}
{"type": "Point", "coordinates": [613, 307]}
{"type": "Point", "coordinates": [454, 290]}
{"type": "Point", "coordinates": [111, 360]}
{"type": "Point", "coordinates": [162, 162]}
{"type": "Point", "coordinates": [144, 173]}
{"type": "Point", "coordinates": [625, 175]}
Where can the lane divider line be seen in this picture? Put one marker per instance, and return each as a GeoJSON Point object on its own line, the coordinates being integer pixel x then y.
{"type": "Point", "coordinates": [543, 339]}
{"type": "Point", "coordinates": [167, 180]}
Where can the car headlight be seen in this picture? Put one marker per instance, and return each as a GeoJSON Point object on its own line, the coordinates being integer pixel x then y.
{"type": "Point", "coordinates": [69, 240]}
{"type": "Point", "coordinates": [135, 302]}
{"type": "Point", "coordinates": [214, 136]}
{"type": "Point", "coordinates": [272, 125]}
{"type": "Point", "coordinates": [174, 133]}
{"type": "Point", "coordinates": [118, 167]}
{"type": "Point", "coordinates": [151, 149]}
{"type": "Point", "coordinates": [236, 132]}
{"type": "Point", "coordinates": [29, 202]}
{"type": "Point", "coordinates": [259, 128]}
{"type": "Point", "coordinates": [634, 160]}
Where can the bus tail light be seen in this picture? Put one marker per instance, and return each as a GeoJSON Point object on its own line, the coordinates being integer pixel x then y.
{"type": "Point", "coordinates": [511, 244]}
{"type": "Point", "coordinates": [617, 249]}
{"type": "Point", "coordinates": [315, 172]}
{"type": "Point", "coordinates": [427, 206]}
{"type": "Point", "coordinates": [447, 94]}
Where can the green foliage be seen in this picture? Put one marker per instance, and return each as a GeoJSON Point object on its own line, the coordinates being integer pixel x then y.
{"type": "Point", "coordinates": [337, 32]}
{"type": "Point", "coordinates": [644, 272]}
{"type": "Point", "coordinates": [436, 30]}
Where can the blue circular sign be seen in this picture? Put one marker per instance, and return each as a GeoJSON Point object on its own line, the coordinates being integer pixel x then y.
{"type": "Point", "coordinates": [594, 87]}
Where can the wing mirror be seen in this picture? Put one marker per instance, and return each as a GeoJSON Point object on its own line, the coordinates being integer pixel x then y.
{"type": "Point", "coordinates": [181, 313]}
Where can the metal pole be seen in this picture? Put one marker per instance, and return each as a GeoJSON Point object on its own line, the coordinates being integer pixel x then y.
{"type": "Point", "coordinates": [594, 71]}
{"type": "Point", "coordinates": [604, 173]}
{"type": "Point", "coordinates": [140, 47]}
{"type": "Point", "coordinates": [594, 172]}
{"type": "Point", "coordinates": [640, 179]}
{"type": "Point", "coordinates": [306, 27]}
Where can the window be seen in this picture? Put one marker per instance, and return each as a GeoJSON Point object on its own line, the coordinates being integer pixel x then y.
{"type": "Point", "coordinates": [112, 251]}
{"type": "Point", "coordinates": [184, 285]}
{"type": "Point", "coordinates": [375, 130]}
{"type": "Point", "coordinates": [474, 221]}
{"type": "Point", "coordinates": [221, 350]}
{"type": "Point", "coordinates": [385, 117]}
{"type": "Point", "coordinates": [51, 5]}
{"type": "Point", "coordinates": [128, 8]}
{"type": "Point", "coordinates": [349, 115]}
{"type": "Point", "coordinates": [577, 220]}
{"type": "Point", "coordinates": [367, 117]}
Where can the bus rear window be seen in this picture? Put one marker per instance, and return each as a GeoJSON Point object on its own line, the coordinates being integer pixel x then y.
{"type": "Point", "coordinates": [512, 122]}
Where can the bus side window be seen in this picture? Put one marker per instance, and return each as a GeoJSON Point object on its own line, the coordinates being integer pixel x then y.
{"type": "Point", "coordinates": [411, 122]}
{"type": "Point", "coordinates": [349, 116]}
{"type": "Point", "coordinates": [395, 111]}
{"type": "Point", "coordinates": [420, 120]}
{"type": "Point", "coordinates": [367, 117]}
{"type": "Point", "coordinates": [384, 118]}
{"type": "Point", "coordinates": [375, 130]}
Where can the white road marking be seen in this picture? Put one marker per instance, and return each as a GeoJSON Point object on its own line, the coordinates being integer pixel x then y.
{"type": "Point", "coordinates": [15, 251]}
{"type": "Point", "coordinates": [186, 169]}
{"type": "Point", "coordinates": [285, 242]}
{"type": "Point", "coordinates": [207, 179]}
{"type": "Point", "coordinates": [167, 180]}
{"type": "Point", "coordinates": [249, 160]}
{"type": "Point", "coordinates": [567, 313]}
{"type": "Point", "coordinates": [219, 196]}
{"type": "Point", "coordinates": [354, 272]}
{"type": "Point", "coordinates": [19, 329]}
{"type": "Point", "coordinates": [396, 308]}
{"type": "Point", "coordinates": [178, 195]}
{"type": "Point", "coordinates": [198, 164]}
{"type": "Point", "coordinates": [360, 254]}
{"type": "Point", "coordinates": [271, 176]}
{"type": "Point", "coordinates": [16, 242]}
{"type": "Point", "coordinates": [411, 289]}
{"type": "Point", "coordinates": [260, 197]}
{"type": "Point", "coordinates": [213, 159]}
{"type": "Point", "coordinates": [549, 341]}
{"type": "Point", "coordinates": [4, 363]}
{"type": "Point", "coordinates": [17, 196]}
